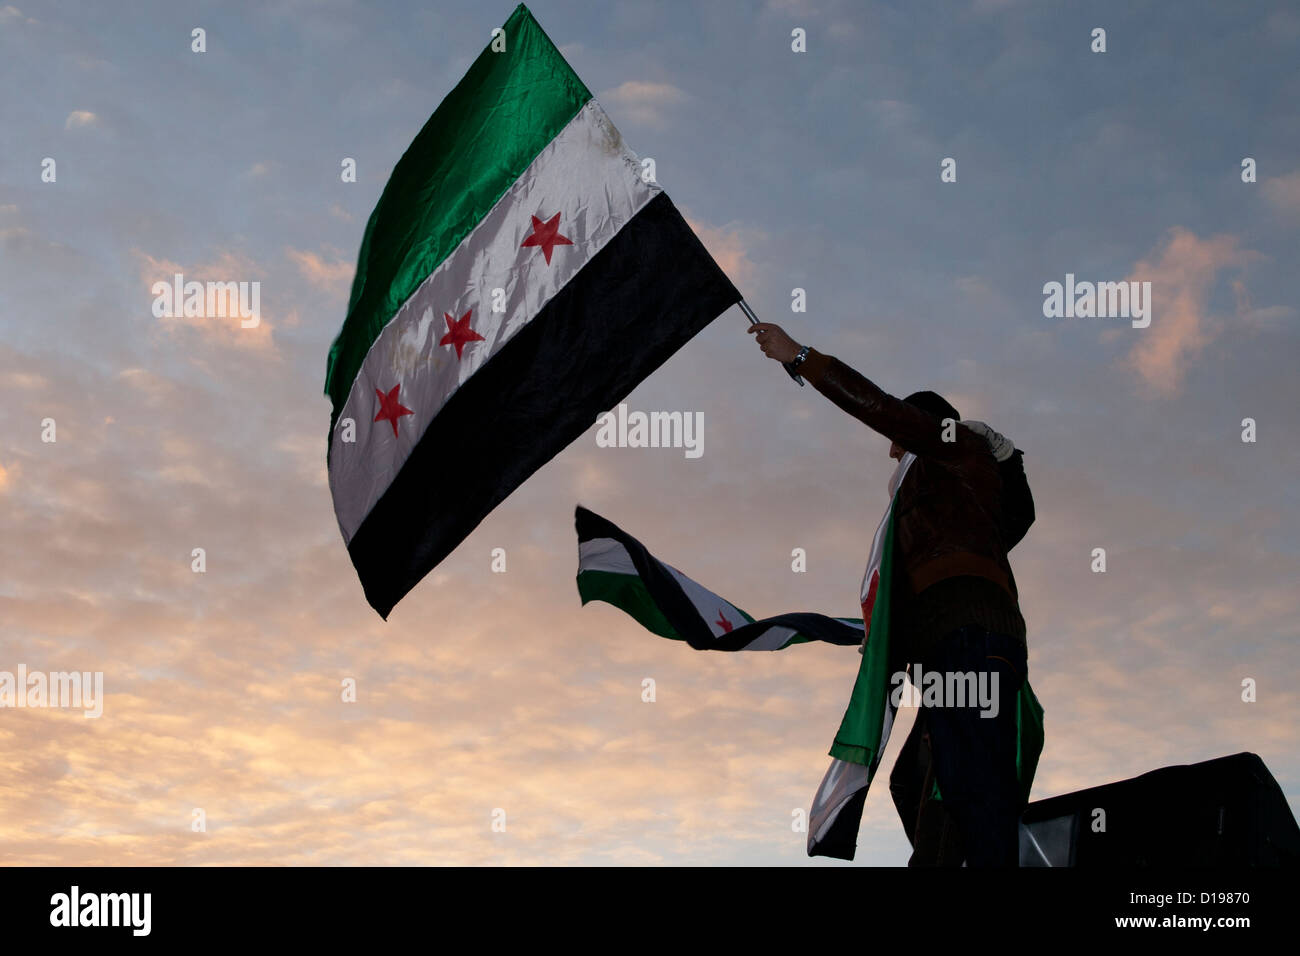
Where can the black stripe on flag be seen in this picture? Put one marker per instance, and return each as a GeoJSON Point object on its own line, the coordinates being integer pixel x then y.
{"type": "Point", "coordinates": [638, 300]}
{"type": "Point", "coordinates": [685, 618]}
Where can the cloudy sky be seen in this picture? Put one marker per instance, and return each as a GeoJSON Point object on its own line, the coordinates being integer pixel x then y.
{"type": "Point", "coordinates": [817, 170]}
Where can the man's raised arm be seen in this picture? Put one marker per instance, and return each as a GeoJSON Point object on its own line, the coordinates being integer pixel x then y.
{"type": "Point", "coordinates": [913, 429]}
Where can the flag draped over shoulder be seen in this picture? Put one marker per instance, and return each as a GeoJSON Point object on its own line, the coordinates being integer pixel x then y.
{"type": "Point", "coordinates": [616, 568]}
{"type": "Point", "coordinates": [864, 732]}
{"type": "Point", "coordinates": [517, 278]}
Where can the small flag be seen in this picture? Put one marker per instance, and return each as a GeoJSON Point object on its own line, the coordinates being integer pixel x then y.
{"type": "Point", "coordinates": [616, 568]}
{"type": "Point", "coordinates": [518, 277]}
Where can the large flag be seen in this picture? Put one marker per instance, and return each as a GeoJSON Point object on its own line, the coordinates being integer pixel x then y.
{"type": "Point", "coordinates": [518, 277]}
{"type": "Point", "coordinates": [616, 568]}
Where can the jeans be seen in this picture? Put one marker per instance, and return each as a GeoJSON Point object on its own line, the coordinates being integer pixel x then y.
{"type": "Point", "coordinates": [973, 757]}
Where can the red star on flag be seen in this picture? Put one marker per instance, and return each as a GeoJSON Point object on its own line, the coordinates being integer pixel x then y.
{"type": "Point", "coordinates": [390, 409]}
{"type": "Point", "coordinates": [723, 623]}
{"type": "Point", "coordinates": [459, 332]}
{"type": "Point", "coordinates": [870, 603]}
{"type": "Point", "coordinates": [547, 235]}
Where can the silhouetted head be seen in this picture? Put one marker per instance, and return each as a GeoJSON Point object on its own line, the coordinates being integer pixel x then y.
{"type": "Point", "coordinates": [931, 402]}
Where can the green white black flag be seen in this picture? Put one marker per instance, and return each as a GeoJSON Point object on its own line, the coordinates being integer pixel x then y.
{"type": "Point", "coordinates": [519, 276]}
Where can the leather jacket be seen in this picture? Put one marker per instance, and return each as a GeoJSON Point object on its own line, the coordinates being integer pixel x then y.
{"type": "Point", "coordinates": [948, 517]}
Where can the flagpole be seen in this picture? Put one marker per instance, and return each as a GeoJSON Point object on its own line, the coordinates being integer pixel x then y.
{"type": "Point", "coordinates": [753, 320]}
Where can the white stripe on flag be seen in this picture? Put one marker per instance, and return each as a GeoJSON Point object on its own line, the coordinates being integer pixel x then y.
{"type": "Point", "coordinates": [841, 782]}
{"type": "Point", "coordinates": [604, 554]}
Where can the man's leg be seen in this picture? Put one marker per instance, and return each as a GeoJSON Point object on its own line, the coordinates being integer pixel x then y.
{"type": "Point", "coordinates": [975, 756]}
{"type": "Point", "coordinates": [930, 829]}
{"type": "Point", "coordinates": [907, 779]}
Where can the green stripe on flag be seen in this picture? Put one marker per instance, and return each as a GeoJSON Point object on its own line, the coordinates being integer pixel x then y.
{"type": "Point", "coordinates": [1029, 738]}
{"type": "Point", "coordinates": [474, 147]}
{"type": "Point", "coordinates": [628, 593]}
{"type": "Point", "coordinates": [858, 739]}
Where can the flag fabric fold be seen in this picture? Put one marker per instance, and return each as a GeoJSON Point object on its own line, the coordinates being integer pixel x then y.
{"type": "Point", "coordinates": [616, 568]}
{"type": "Point", "coordinates": [518, 277]}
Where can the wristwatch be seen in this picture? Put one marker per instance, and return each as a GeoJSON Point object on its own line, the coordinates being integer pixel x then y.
{"type": "Point", "coordinates": [803, 354]}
